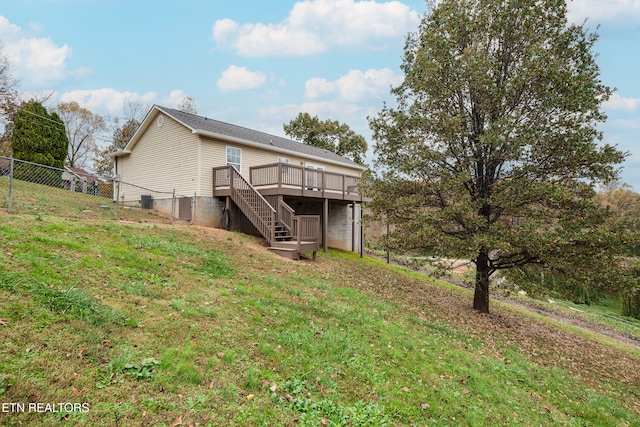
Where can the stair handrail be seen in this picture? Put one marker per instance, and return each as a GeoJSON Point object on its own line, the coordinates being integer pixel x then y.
{"type": "Point", "coordinates": [257, 209]}
{"type": "Point", "coordinates": [285, 216]}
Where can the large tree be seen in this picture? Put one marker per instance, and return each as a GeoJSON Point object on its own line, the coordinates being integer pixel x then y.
{"type": "Point", "coordinates": [39, 136]}
{"type": "Point", "coordinates": [493, 151]}
{"type": "Point", "coordinates": [9, 103]}
{"type": "Point", "coordinates": [188, 105]}
{"type": "Point", "coordinates": [328, 134]}
{"type": "Point", "coordinates": [82, 128]}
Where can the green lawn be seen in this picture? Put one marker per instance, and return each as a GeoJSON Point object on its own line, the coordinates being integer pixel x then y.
{"type": "Point", "coordinates": [155, 324]}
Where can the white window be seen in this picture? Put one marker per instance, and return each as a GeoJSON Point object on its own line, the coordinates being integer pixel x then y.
{"type": "Point", "coordinates": [234, 157]}
{"type": "Point", "coordinates": [285, 169]}
{"type": "Point", "coordinates": [314, 177]}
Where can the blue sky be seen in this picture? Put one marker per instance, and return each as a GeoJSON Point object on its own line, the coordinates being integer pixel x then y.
{"type": "Point", "coordinates": [259, 63]}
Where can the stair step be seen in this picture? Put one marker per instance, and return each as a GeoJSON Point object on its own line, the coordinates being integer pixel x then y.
{"type": "Point", "coordinates": [286, 252]}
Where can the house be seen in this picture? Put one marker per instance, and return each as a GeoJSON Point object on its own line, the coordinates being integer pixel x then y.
{"type": "Point", "coordinates": [77, 179]}
{"type": "Point", "coordinates": [5, 166]}
{"type": "Point", "coordinates": [298, 197]}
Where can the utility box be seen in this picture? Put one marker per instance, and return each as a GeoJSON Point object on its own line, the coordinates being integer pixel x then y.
{"type": "Point", "coordinates": [146, 201]}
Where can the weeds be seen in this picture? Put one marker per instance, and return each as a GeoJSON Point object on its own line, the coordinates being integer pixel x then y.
{"type": "Point", "coordinates": [119, 367]}
{"type": "Point", "coordinates": [70, 301]}
{"type": "Point", "coordinates": [325, 411]}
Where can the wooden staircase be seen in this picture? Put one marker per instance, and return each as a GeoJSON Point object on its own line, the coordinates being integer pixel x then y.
{"type": "Point", "coordinates": [282, 234]}
{"type": "Point", "coordinates": [287, 234]}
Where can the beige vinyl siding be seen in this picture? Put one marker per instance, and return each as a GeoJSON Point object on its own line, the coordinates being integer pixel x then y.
{"type": "Point", "coordinates": [213, 154]}
{"type": "Point", "coordinates": [164, 159]}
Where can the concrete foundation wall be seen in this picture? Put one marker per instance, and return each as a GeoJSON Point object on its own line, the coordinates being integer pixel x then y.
{"type": "Point", "coordinates": [206, 211]}
{"type": "Point", "coordinates": [342, 234]}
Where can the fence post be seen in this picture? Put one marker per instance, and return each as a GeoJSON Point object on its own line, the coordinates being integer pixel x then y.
{"type": "Point", "coordinates": [10, 184]}
{"type": "Point", "coordinates": [173, 205]}
{"type": "Point", "coordinates": [193, 207]}
{"type": "Point", "coordinates": [117, 196]}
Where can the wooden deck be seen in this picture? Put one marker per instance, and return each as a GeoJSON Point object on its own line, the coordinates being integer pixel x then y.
{"type": "Point", "coordinates": [288, 180]}
{"type": "Point", "coordinates": [260, 198]}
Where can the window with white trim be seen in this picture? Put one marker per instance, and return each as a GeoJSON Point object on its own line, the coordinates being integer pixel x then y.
{"type": "Point", "coordinates": [314, 176]}
{"type": "Point", "coordinates": [234, 157]}
{"type": "Point", "coordinates": [285, 169]}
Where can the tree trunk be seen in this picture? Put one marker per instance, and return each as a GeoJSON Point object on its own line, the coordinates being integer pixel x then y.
{"type": "Point", "coordinates": [483, 271]}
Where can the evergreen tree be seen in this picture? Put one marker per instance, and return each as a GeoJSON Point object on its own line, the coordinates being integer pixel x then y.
{"type": "Point", "coordinates": [39, 137]}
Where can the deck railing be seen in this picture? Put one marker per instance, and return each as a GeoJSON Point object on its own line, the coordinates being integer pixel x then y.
{"type": "Point", "coordinates": [307, 228]}
{"type": "Point", "coordinates": [304, 228]}
{"type": "Point", "coordinates": [289, 177]}
{"type": "Point", "coordinates": [285, 216]}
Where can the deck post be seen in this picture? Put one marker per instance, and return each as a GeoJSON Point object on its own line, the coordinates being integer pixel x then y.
{"type": "Point", "coordinates": [298, 227]}
{"type": "Point", "coordinates": [353, 227]}
{"type": "Point", "coordinates": [273, 228]}
{"type": "Point", "coordinates": [325, 225]}
{"type": "Point", "coordinates": [279, 175]}
{"type": "Point", "coordinates": [361, 235]}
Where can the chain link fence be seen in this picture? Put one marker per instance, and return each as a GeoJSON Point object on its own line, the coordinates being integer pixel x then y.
{"type": "Point", "coordinates": [30, 188]}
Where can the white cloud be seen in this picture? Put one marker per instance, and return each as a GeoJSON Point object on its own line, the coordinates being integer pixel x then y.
{"type": "Point", "coordinates": [240, 78]}
{"type": "Point", "coordinates": [324, 110]}
{"type": "Point", "coordinates": [174, 99]}
{"type": "Point", "coordinates": [355, 86]}
{"type": "Point", "coordinates": [617, 102]}
{"type": "Point", "coordinates": [599, 11]}
{"type": "Point", "coordinates": [314, 26]}
{"type": "Point", "coordinates": [109, 101]}
{"type": "Point", "coordinates": [352, 114]}
{"type": "Point", "coordinates": [625, 124]}
{"type": "Point", "coordinates": [36, 61]}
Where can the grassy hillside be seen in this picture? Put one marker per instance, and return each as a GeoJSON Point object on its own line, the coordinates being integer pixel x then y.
{"type": "Point", "coordinates": [157, 324]}
{"type": "Point", "coordinates": [39, 200]}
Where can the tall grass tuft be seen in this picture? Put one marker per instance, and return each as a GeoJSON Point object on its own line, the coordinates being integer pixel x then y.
{"type": "Point", "coordinates": [71, 301]}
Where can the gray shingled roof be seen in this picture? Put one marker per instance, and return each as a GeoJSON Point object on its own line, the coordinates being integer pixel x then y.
{"type": "Point", "coordinates": [205, 124]}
